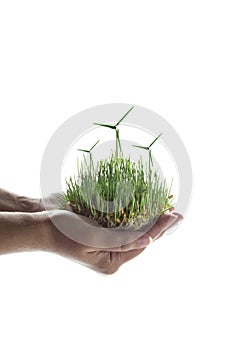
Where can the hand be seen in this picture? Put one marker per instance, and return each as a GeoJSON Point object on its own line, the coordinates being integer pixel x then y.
{"type": "Point", "coordinates": [71, 235]}
{"type": "Point", "coordinates": [106, 260]}
{"type": "Point", "coordinates": [11, 202]}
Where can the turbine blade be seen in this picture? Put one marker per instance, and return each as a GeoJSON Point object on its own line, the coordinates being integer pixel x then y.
{"type": "Point", "coordinates": [106, 125]}
{"type": "Point", "coordinates": [124, 116]}
{"type": "Point", "coordinates": [94, 145]}
{"type": "Point", "coordinates": [155, 140]}
{"type": "Point", "coordinates": [141, 147]}
{"type": "Point", "coordinates": [83, 150]}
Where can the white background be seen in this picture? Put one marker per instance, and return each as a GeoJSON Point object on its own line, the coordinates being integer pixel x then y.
{"type": "Point", "coordinates": [174, 57]}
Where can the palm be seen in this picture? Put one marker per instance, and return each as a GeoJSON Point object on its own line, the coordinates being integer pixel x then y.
{"type": "Point", "coordinates": [101, 249]}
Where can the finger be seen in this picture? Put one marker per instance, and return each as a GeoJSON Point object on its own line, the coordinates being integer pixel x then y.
{"type": "Point", "coordinates": [140, 243]}
{"type": "Point", "coordinates": [55, 201]}
{"type": "Point", "coordinates": [166, 221]}
{"type": "Point", "coordinates": [161, 225]}
{"type": "Point", "coordinates": [175, 224]}
{"type": "Point", "coordinates": [179, 215]}
{"type": "Point", "coordinates": [74, 227]}
{"type": "Point", "coordinates": [179, 219]}
{"type": "Point", "coordinates": [158, 229]}
{"type": "Point", "coordinates": [170, 227]}
{"type": "Point", "coordinates": [131, 254]}
{"type": "Point", "coordinates": [79, 230]}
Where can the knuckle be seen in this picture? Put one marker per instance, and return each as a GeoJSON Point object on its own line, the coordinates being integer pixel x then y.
{"type": "Point", "coordinates": [108, 265]}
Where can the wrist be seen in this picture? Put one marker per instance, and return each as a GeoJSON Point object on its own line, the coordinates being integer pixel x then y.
{"type": "Point", "coordinates": [28, 205]}
{"type": "Point", "coordinates": [48, 233]}
{"type": "Point", "coordinates": [45, 237]}
{"type": "Point", "coordinates": [23, 232]}
{"type": "Point", "coordinates": [11, 202]}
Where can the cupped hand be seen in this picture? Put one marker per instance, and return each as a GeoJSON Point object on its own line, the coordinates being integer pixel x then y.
{"type": "Point", "coordinates": [103, 250]}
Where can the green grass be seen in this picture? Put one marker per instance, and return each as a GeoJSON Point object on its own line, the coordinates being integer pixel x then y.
{"type": "Point", "coordinates": [118, 192]}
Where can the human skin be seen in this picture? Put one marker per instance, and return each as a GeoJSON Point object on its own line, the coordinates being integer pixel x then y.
{"type": "Point", "coordinates": [26, 226]}
{"type": "Point", "coordinates": [12, 202]}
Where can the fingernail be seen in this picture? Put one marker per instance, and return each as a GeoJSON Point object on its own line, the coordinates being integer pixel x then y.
{"type": "Point", "coordinates": [172, 219]}
{"type": "Point", "coordinates": [175, 224]}
{"type": "Point", "coordinates": [144, 241]}
{"type": "Point", "coordinates": [179, 218]}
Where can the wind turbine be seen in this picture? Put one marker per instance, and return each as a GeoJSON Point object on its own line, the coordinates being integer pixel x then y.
{"type": "Point", "coordinates": [115, 127]}
{"type": "Point", "coordinates": [148, 148]}
{"type": "Point", "coordinates": [89, 151]}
